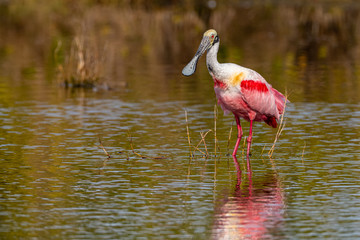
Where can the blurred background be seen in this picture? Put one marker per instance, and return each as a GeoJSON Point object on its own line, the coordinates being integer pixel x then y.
{"type": "Point", "coordinates": [77, 77]}
{"type": "Point", "coordinates": [293, 44]}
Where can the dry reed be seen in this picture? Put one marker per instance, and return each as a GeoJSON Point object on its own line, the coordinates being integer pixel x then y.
{"type": "Point", "coordinates": [215, 137]}
{"type": "Point", "coordinates": [206, 153]}
{"type": "Point", "coordinates": [280, 128]}
{"type": "Point", "coordinates": [188, 133]}
{"type": "Point", "coordinates": [155, 31]}
{"type": "Point", "coordinates": [229, 138]}
{"type": "Point", "coordinates": [203, 140]}
{"type": "Point", "coordinates": [82, 67]}
{"type": "Point", "coordinates": [263, 150]}
{"type": "Point", "coordinates": [203, 135]}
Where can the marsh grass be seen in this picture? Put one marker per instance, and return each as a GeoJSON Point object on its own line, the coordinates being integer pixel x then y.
{"type": "Point", "coordinates": [215, 138]}
{"type": "Point", "coordinates": [280, 128]}
{"type": "Point", "coordinates": [205, 153]}
{"type": "Point", "coordinates": [229, 139]}
{"type": "Point", "coordinates": [150, 33]}
{"type": "Point", "coordinates": [217, 150]}
{"type": "Point", "coordinates": [188, 134]}
{"type": "Point", "coordinates": [83, 65]}
{"type": "Point", "coordinates": [203, 136]}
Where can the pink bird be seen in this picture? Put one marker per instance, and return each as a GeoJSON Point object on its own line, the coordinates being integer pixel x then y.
{"type": "Point", "coordinates": [239, 90]}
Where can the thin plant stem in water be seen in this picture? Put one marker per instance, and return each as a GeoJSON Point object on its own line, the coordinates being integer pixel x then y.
{"type": "Point", "coordinates": [263, 150]}
{"type": "Point", "coordinates": [280, 128]}
{"type": "Point", "coordinates": [196, 148]}
{"type": "Point", "coordinates": [132, 147]}
{"type": "Point", "coordinates": [188, 133]}
{"type": "Point", "coordinates": [302, 155]}
{"type": "Point", "coordinates": [203, 139]}
{"type": "Point", "coordinates": [215, 138]}
{"type": "Point", "coordinates": [229, 138]}
{"type": "Point", "coordinates": [203, 135]}
{"type": "Point", "coordinates": [105, 160]}
{"type": "Point", "coordinates": [262, 153]}
{"type": "Point", "coordinates": [138, 154]}
{"type": "Point", "coordinates": [243, 153]}
{"type": "Point", "coordinates": [273, 165]}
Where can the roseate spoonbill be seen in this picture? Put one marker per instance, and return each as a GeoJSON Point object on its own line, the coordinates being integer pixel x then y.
{"type": "Point", "coordinates": [239, 90]}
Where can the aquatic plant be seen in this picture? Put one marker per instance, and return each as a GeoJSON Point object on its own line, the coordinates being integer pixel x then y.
{"type": "Point", "coordinates": [82, 67]}
{"type": "Point", "coordinates": [152, 33]}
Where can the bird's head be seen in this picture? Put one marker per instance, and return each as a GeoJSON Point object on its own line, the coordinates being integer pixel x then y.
{"type": "Point", "coordinates": [209, 39]}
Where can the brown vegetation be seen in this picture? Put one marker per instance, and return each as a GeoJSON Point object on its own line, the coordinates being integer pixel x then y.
{"type": "Point", "coordinates": [101, 39]}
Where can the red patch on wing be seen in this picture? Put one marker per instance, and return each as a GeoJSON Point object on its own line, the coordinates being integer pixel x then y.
{"type": "Point", "coordinates": [254, 85]}
{"type": "Point", "coordinates": [219, 84]}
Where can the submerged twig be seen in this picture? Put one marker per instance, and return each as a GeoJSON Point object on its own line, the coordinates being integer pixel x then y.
{"type": "Point", "coordinates": [102, 147]}
{"type": "Point", "coordinates": [132, 147]}
{"type": "Point", "coordinates": [138, 154]}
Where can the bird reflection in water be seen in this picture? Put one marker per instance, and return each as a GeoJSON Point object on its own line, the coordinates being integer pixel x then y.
{"type": "Point", "coordinates": [253, 211]}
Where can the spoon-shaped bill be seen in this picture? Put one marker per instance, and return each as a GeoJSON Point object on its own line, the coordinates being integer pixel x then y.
{"type": "Point", "coordinates": [190, 68]}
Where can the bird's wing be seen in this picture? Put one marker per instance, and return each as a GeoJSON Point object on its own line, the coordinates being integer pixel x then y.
{"type": "Point", "coordinates": [258, 94]}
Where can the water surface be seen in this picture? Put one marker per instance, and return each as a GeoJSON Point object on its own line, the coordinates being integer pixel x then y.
{"type": "Point", "coordinates": [57, 182]}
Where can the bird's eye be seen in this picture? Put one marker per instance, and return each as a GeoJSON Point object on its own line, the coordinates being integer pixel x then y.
{"type": "Point", "coordinates": [212, 36]}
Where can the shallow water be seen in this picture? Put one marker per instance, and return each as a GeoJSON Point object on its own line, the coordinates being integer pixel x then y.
{"type": "Point", "coordinates": [57, 182]}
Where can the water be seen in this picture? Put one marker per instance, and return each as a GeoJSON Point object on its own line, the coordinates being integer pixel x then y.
{"type": "Point", "coordinates": [57, 182]}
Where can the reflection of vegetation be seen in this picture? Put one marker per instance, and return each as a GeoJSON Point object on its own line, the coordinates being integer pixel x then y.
{"type": "Point", "coordinates": [144, 34]}
{"type": "Point", "coordinates": [323, 31]}
{"type": "Point", "coordinates": [80, 69]}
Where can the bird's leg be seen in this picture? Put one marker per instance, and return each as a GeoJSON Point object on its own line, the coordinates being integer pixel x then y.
{"type": "Point", "coordinates": [239, 135]}
{"type": "Point", "coordinates": [248, 147]}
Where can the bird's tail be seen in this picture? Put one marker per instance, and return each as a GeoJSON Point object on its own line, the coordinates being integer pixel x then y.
{"type": "Point", "coordinates": [279, 100]}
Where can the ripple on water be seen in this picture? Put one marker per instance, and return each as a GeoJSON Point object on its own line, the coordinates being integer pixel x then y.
{"type": "Point", "coordinates": [62, 181]}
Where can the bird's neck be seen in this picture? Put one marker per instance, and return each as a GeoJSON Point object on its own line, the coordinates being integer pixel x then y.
{"type": "Point", "coordinates": [211, 59]}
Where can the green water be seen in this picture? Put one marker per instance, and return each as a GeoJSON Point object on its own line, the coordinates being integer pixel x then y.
{"type": "Point", "coordinates": [56, 181]}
